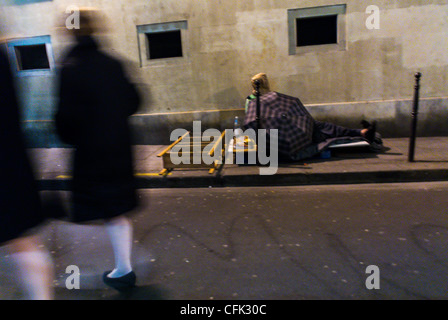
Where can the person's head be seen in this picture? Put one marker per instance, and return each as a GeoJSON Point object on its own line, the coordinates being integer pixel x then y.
{"type": "Point", "coordinates": [81, 22]}
{"type": "Point", "coordinates": [263, 81]}
{"type": "Point", "coordinates": [90, 22]}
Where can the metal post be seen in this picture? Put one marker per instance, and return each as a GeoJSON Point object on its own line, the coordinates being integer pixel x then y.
{"type": "Point", "coordinates": [257, 95]}
{"type": "Point", "coordinates": [257, 117]}
{"type": "Point", "coordinates": [414, 114]}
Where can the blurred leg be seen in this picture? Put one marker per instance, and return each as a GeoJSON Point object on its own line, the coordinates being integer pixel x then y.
{"type": "Point", "coordinates": [35, 267]}
{"type": "Point", "coordinates": [120, 233]}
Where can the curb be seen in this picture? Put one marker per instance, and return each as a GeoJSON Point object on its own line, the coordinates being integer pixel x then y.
{"type": "Point", "coordinates": [299, 179]}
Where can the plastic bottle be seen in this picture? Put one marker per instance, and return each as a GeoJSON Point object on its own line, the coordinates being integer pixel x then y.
{"type": "Point", "coordinates": [238, 131]}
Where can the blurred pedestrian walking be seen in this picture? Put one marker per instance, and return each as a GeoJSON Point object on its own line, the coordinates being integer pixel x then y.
{"type": "Point", "coordinates": [21, 211]}
{"type": "Point", "coordinates": [95, 100]}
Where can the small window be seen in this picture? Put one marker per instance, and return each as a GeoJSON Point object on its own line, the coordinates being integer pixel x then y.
{"type": "Point", "coordinates": [317, 30]}
{"type": "Point", "coordinates": [33, 57]}
{"type": "Point", "coordinates": [162, 45]}
{"type": "Point", "coordinates": [159, 43]}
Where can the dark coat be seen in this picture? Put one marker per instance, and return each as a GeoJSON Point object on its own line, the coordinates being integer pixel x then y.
{"type": "Point", "coordinates": [96, 100]}
{"type": "Point", "coordinates": [20, 207]}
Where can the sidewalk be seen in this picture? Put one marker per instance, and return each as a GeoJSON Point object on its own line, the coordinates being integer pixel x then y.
{"type": "Point", "coordinates": [182, 251]}
{"type": "Point", "coordinates": [344, 167]}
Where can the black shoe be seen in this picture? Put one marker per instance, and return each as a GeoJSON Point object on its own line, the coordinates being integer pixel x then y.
{"type": "Point", "coordinates": [365, 124]}
{"type": "Point", "coordinates": [371, 132]}
{"type": "Point", "coordinates": [122, 283]}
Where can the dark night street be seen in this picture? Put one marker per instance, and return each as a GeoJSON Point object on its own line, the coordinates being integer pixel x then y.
{"type": "Point", "coordinates": [308, 242]}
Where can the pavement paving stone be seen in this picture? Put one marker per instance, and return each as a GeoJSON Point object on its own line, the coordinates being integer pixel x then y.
{"type": "Point", "coordinates": [431, 160]}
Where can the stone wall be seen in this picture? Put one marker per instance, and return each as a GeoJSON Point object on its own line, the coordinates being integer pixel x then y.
{"type": "Point", "coordinates": [226, 42]}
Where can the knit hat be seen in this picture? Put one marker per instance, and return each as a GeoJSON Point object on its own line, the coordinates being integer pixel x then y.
{"type": "Point", "coordinates": [264, 83]}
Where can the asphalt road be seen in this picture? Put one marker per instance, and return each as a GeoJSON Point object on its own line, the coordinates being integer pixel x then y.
{"type": "Point", "coordinates": [311, 242]}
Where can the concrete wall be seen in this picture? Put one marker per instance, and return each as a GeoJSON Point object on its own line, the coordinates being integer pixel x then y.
{"type": "Point", "coordinates": [226, 42]}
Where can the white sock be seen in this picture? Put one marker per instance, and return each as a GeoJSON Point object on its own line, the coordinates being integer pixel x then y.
{"type": "Point", "coordinates": [120, 234]}
{"type": "Point", "coordinates": [36, 272]}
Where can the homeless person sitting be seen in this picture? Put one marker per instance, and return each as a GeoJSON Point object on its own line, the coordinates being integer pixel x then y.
{"type": "Point", "coordinates": [300, 136]}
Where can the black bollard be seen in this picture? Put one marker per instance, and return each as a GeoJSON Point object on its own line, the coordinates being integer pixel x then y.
{"type": "Point", "coordinates": [257, 117]}
{"type": "Point", "coordinates": [257, 95]}
{"type": "Point", "coordinates": [414, 114]}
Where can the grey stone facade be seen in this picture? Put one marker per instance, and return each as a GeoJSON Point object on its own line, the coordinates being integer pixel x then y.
{"type": "Point", "coordinates": [367, 74]}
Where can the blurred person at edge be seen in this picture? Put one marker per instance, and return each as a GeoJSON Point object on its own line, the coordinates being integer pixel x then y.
{"type": "Point", "coordinates": [95, 100]}
{"type": "Point", "coordinates": [21, 209]}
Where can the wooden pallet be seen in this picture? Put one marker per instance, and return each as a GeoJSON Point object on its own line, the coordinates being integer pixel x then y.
{"type": "Point", "coordinates": [195, 159]}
